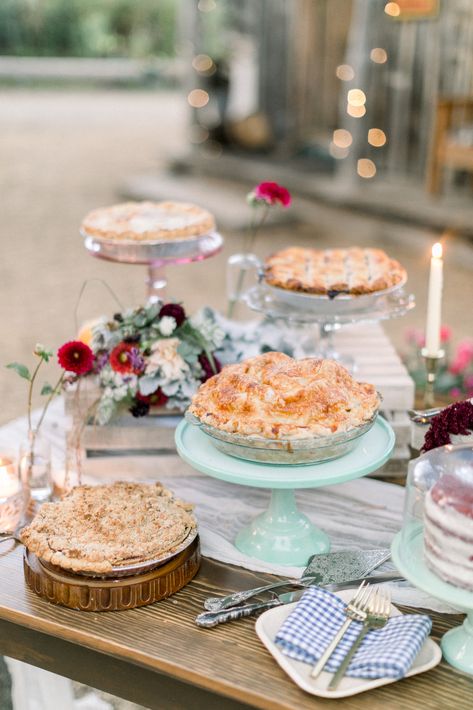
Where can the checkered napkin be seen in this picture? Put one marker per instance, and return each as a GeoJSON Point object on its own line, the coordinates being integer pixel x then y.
{"type": "Point", "coordinates": [384, 653]}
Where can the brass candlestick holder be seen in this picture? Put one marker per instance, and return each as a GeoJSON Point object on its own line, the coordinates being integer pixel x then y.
{"type": "Point", "coordinates": [431, 365]}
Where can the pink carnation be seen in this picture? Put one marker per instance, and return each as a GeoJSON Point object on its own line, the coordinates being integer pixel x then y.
{"type": "Point", "coordinates": [272, 193]}
{"type": "Point", "coordinates": [445, 333]}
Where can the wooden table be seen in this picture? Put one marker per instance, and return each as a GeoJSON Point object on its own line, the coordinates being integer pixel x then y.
{"type": "Point", "coordinates": [158, 657]}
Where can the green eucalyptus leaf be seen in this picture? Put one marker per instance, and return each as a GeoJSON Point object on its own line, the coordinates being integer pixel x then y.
{"type": "Point", "coordinates": [46, 389]}
{"type": "Point", "coordinates": [22, 370]}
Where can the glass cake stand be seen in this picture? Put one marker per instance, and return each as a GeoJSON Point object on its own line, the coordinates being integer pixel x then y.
{"type": "Point", "coordinates": [330, 318]}
{"type": "Point", "coordinates": [282, 534]}
{"type": "Point", "coordinates": [408, 547]}
{"type": "Point", "coordinates": [156, 255]}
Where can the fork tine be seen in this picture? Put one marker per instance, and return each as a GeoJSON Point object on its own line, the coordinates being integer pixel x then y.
{"type": "Point", "coordinates": [363, 601]}
{"type": "Point", "coordinates": [387, 602]}
{"type": "Point", "coordinates": [359, 592]}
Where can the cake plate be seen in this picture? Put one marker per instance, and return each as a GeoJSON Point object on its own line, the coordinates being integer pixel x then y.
{"type": "Point", "coordinates": [282, 534]}
{"type": "Point", "coordinates": [408, 556]}
{"type": "Point", "coordinates": [392, 304]}
{"type": "Point", "coordinates": [156, 255]}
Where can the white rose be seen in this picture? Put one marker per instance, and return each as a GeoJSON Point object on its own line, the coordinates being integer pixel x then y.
{"type": "Point", "coordinates": [164, 357]}
{"type": "Point", "coordinates": [167, 325]}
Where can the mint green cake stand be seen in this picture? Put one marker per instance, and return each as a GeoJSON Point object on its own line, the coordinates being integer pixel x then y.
{"type": "Point", "coordinates": [408, 556]}
{"type": "Point", "coordinates": [283, 535]}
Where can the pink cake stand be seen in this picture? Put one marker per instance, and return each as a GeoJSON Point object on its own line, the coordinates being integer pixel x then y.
{"type": "Point", "coordinates": [155, 255]}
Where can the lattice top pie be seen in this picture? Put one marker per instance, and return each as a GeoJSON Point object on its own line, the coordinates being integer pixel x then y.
{"type": "Point", "coordinates": [148, 221]}
{"type": "Point", "coordinates": [330, 272]}
{"type": "Point", "coordinates": [97, 528]}
{"type": "Point", "coordinates": [276, 397]}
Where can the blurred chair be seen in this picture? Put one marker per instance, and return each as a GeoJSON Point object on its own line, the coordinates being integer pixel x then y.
{"type": "Point", "coordinates": [452, 140]}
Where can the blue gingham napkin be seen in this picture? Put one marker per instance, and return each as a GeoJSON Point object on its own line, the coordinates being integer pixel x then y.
{"type": "Point", "coordinates": [384, 653]}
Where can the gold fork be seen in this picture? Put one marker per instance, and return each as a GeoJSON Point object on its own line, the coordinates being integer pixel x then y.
{"type": "Point", "coordinates": [379, 609]}
{"type": "Point", "coordinates": [355, 610]}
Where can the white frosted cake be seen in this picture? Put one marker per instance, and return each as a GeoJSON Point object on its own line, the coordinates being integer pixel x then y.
{"type": "Point", "coordinates": [448, 529]}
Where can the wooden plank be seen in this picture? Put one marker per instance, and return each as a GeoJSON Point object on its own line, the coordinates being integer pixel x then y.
{"type": "Point", "coordinates": [163, 639]}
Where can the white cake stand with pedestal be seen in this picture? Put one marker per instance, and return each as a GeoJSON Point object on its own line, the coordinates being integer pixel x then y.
{"type": "Point", "coordinates": [156, 255]}
{"type": "Point", "coordinates": [283, 534]}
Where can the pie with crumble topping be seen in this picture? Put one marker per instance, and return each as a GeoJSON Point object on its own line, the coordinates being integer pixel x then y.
{"type": "Point", "coordinates": [148, 222]}
{"type": "Point", "coordinates": [274, 396]}
{"type": "Point", "coordinates": [95, 529]}
{"type": "Point", "coordinates": [331, 272]}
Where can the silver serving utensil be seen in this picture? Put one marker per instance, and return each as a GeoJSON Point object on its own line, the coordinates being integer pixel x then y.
{"type": "Point", "coordinates": [328, 568]}
{"type": "Point", "coordinates": [12, 534]}
{"type": "Point", "coordinates": [208, 619]}
{"type": "Point", "coordinates": [423, 416]}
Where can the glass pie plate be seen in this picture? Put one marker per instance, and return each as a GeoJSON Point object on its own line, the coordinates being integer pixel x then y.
{"type": "Point", "coordinates": [340, 304]}
{"type": "Point", "coordinates": [314, 449]}
{"type": "Point", "coordinates": [134, 568]}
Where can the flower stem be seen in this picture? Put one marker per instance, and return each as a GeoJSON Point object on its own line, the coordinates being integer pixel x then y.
{"type": "Point", "coordinates": [30, 391]}
{"type": "Point", "coordinates": [49, 400]}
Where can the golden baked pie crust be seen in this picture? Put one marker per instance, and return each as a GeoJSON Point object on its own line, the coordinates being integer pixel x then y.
{"type": "Point", "coordinates": [95, 529]}
{"type": "Point", "coordinates": [353, 271]}
{"type": "Point", "coordinates": [148, 221]}
{"type": "Point", "coordinates": [276, 397]}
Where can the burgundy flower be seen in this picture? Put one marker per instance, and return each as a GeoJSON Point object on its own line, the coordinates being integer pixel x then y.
{"type": "Point", "coordinates": [207, 367]}
{"type": "Point", "coordinates": [155, 399]}
{"type": "Point", "coordinates": [455, 419]}
{"type": "Point", "coordinates": [272, 194]}
{"type": "Point", "coordinates": [139, 409]}
{"type": "Point", "coordinates": [75, 356]}
{"type": "Point", "coordinates": [125, 357]}
{"type": "Point", "coordinates": [175, 310]}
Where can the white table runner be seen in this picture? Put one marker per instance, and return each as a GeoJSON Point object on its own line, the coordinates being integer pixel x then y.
{"type": "Point", "coordinates": [359, 514]}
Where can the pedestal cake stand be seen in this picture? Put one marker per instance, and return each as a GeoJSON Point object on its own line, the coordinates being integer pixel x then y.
{"type": "Point", "coordinates": [408, 556]}
{"type": "Point", "coordinates": [283, 535]}
{"type": "Point", "coordinates": [328, 315]}
{"type": "Point", "coordinates": [156, 255]}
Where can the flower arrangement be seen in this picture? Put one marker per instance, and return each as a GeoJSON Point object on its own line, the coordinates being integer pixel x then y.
{"type": "Point", "coordinates": [455, 376]}
{"type": "Point", "coordinates": [262, 199]}
{"type": "Point", "coordinates": [152, 356]}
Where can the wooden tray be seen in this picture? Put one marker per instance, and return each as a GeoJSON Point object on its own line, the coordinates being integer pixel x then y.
{"type": "Point", "coordinates": [92, 594]}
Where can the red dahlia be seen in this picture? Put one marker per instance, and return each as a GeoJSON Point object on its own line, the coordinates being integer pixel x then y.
{"type": "Point", "coordinates": [76, 357]}
{"type": "Point", "coordinates": [121, 359]}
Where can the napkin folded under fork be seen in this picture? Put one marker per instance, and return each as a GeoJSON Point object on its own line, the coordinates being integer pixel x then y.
{"type": "Point", "coordinates": [384, 653]}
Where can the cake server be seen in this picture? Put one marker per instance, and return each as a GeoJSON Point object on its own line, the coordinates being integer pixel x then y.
{"type": "Point", "coordinates": [328, 568]}
{"type": "Point", "coordinates": [208, 619]}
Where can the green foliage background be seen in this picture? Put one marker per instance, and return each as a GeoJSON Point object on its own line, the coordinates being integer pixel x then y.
{"type": "Point", "coordinates": [88, 28]}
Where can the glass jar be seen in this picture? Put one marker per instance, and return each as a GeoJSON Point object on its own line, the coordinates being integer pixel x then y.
{"type": "Point", "coordinates": [35, 466]}
{"type": "Point", "coordinates": [242, 273]}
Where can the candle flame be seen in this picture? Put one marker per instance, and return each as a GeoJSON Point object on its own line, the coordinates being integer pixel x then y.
{"type": "Point", "coordinates": [437, 251]}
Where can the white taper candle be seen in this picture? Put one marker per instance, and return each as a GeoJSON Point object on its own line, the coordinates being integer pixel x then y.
{"type": "Point", "coordinates": [434, 303]}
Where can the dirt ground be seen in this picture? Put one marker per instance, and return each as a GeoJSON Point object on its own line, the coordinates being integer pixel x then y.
{"type": "Point", "coordinates": [66, 152]}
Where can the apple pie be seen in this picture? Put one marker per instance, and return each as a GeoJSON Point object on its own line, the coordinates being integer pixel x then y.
{"type": "Point", "coordinates": [148, 221]}
{"type": "Point", "coordinates": [331, 272]}
{"type": "Point", "coordinates": [274, 396]}
{"type": "Point", "coordinates": [96, 529]}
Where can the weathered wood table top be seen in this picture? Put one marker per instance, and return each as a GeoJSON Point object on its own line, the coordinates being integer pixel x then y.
{"type": "Point", "coordinates": [158, 657]}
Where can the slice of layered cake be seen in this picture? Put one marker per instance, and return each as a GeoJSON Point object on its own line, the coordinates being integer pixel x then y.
{"type": "Point", "coordinates": [448, 527]}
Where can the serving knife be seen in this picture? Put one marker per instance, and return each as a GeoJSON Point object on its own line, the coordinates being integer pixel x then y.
{"type": "Point", "coordinates": [327, 568]}
{"type": "Point", "coordinates": [208, 619]}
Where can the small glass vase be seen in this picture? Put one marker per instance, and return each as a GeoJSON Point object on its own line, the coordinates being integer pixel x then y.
{"type": "Point", "coordinates": [35, 466]}
{"type": "Point", "coordinates": [242, 273]}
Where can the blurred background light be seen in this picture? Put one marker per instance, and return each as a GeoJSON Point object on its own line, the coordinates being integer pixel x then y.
{"type": "Point", "coordinates": [392, 9]}
{"type": "Point", "coordinates": [198, 98]}
{"type": "Point", "coordinates": [206, 5]}
{"type": "Point", "coordinates": [378, 55]}
{"type": "Point", "coordinates": [376, 137]}
{"type": "Point", "coordinates": [342, 138]}
{"type": "Point", "coordinates": [345, 72]}
{"type": "Point", "coordinates": [337, 152]}
{"type": "Point", "coordinates": [366, 168]}
{"type": "Point", "coordinates": [356, 111]}
{"type": "Point", "coordinates": [202, 63]}
{"type": "Point", "coordinates": [356, 97]}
